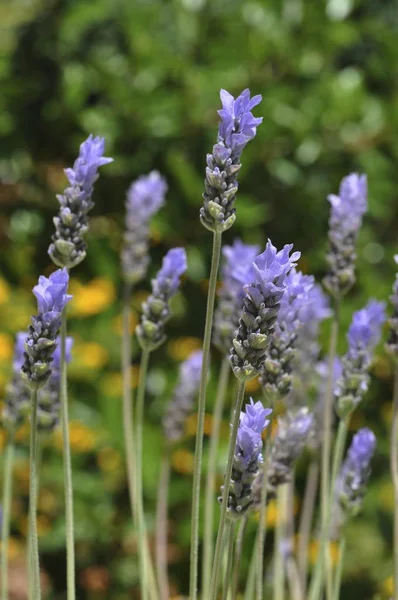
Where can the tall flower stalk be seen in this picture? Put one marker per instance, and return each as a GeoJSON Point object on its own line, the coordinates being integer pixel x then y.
{"type": "Point", "coordinates": [68, 249]}
{"type": "Point", "coordinates": [347, 210]}
{"type": "Point", "coordinates": [237, 127]}
{"type": "Point", "coordinates": [151, 334]}
{"type": "Point", "coordinates": [260, 311]}
{"type": "Point", "coordinates": [40, 344]}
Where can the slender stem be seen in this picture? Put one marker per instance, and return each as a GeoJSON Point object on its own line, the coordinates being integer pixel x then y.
{"type": "Point", "coordinates": [339, 569]}
{"type": "Point", "coordinates": [307, 512]}
{"type": "Point", "coordinates": [224, 505]}
{"type": "Point", "coordinates": [70, 544]}
{"type": "Point", "coordinates": [251, 578]}
{"type": "Point", "coordinates": [143, 556]}
{"type": "Point", "coordinates": [238, 556]}
{"type": "Point", "coordinates": [394, 474]}
{"type": "Point", "coordinates": [33, 499]}
{"type": "Point", "coordinates": [211, 475]}
{"type": "Point", "coordinates": [327, 428]}
{"type": "Point", "coordinates": [6, 516]}
{"type": "Point", "coordinates": [128, 423]}
{"type": "Point", "coordinates": [29, 549]}
{"type": "Point", "coordinates": [161, 527]}
{"type": "Point", "coordinates": [193, 583]}
{"type": "Point", "coordinates": [262, 518]}
{"type": "Point", "coordinates": [293, 579]}
{"type": "Point", "coordinates": [317, 579]}
{"type": "Point", "coordinates": [279, 573]}
{"type": "Point", "coordinates": [292, 572]}
{"type": "Point", "coordinates": [230, 556]}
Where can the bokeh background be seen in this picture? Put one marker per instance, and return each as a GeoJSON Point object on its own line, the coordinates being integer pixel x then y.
{"type": "Point", "coordinates": [146, 74]}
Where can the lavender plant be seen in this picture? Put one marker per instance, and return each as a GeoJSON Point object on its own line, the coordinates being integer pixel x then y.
{"type": "Point", "coordinates": [68, 249]}
{"type": "Point", "coordinates": [237, 127]}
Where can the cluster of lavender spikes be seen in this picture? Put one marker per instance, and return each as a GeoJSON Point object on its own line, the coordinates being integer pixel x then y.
{"type": "Point", "coordinates": [68, 247]}
{"type": "Point", "coordinates": [276, 374]}
{"type": "Point", "coordinates": [247, 458]}
{"type": "Point", "coordinates": [363, 335]}
{"type": "Point", "coordinates": [347, 210]}
{"type": "Point", "coordinates": [264, 291]}
{"type": "Point", "coordinates": [226, 319]}
{"type": "Point", "coordinates": [237, 127]}
{"type": "Point", "coordinates": [52, 297]}
{"type": "Point", "coordinates": [156, 309]}
{"type": "Point", "coordinates": [183, 398]}
{"type": "Point", "coordinates": [144, 198]}
{"type": "Point", "coordinates": [392, 344]}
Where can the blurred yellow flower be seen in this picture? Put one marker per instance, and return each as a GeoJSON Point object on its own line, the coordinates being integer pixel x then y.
{"type": "Point", "coordinates": [23, 432]}
{"type": "Point", "coordinates": [48, 502]}
{"type": "Point", "coordinates": [15, 548]}
{"type": "Point", "coordinates": [386, 495]}
{"type": "Point", "coordinates": [191, 422]}
{"type": "Point", "coordinates": [90, 355]}
{"type": "Point", "coordinates": [3, 437]}
{"type": "Point", "coordinates": [109, 459]}
{"type": "Point", "coordinates": [91, 298]}
{"type": "Point", "coordinates": [180, 348]}
{"type": "Point", "coordinates": [43, 524]}
{"type": "Point", "coordinates": [333, 550]}
{"type": "Point", "coordinates": [112, 384]}
{"type": "Point", "coordinates": [182, 461]}
{"type": "Point", "coordinates": [253, 385]}
{"type": "Point", "coordinates": [118, 323]}
{"type": "Point", "coordinates": [4, 291]}
{"type": "Point", "coordinates": [82, 438]}
{"type": "Point", "coordinates": [6, 347]}
{"type": "Point", "coordinates": [387, 587]}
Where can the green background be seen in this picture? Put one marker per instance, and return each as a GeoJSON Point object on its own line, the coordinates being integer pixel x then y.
{"type": "Point", "coordinates": [146, 75]}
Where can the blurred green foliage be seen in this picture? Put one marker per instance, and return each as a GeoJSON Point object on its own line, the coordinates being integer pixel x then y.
{"type": "Point", "coordinates": [146, 74]}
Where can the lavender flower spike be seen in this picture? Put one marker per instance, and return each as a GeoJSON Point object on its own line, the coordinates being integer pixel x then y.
{"type": "Point", "coordinates": [183, 397]}
{"type": "Point", "coordinates": [261, 306]}
{"type": "Point", "coordinates": [347, 210]}
{"type": "Point", "coordinates": [276, 374]}
{"type": "Point", "coordinates": [17, 396]}
{"type": "Point", "coordinates": [355, 473]}
{"type": "Point", "coordinates": [363, 335]}
{"type": "Point", "coordinates": [237, 127]}
{"type": "Point", "coordinates": [247, 458]}
{"type": "Point", "coordinates": [68, 247]}
{"type": "Point", "coordinates": [52, 297]}
{"type": "Point", "coordinates": [392, 344]}
{"type": "Point", "coordinates": [145, 197]}
{"type": "Point", "coordinates": [290, 440]}
{"type": "Point", "coordinates": [226, 319]}
{"type": "Point", "coordinates": [49, 404]}
{"type": "Point", "coordinates": [156, 309]}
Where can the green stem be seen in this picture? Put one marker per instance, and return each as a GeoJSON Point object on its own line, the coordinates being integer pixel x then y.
{"type": "Point", "coordinates": [230, 555]}
{"type": "Point", "coordinates": [279, 573]}
{"type": "Point", "coordinates": [128, 422]}
{"type": "Point", "coordinates": [262, 525]}
{"type": "Point", "coordinates": [33, 499]}
{"type": "Point", "coordinates": [161, 527]}
{"type": "Point", "coordinates": [6, 516]}
{"type": "Point", "coordinates": [292, 572]}
{"type": "Point", "coordinates": [224, 505]}
{"type": "Point", "coordinates": [70, 544]}
{"type": "Point", "coordinates": [339, 570]}
{"type": "Point", "coordinates": [394, 474]}
{"type": "Point", "coordinates": [307, 513]}
{"type": "Point", "coordinates": [210, 500]}
{"type": "Point", "coordinates": [251, 578]}
{"type": "Point", "coordinates": [143, 556]}
{"type": "Point", "coordinates": [193, 583]}
{"type": "Point", "coordinates": [238, 556]}
{"type": "Point", "coordinates": [317, 580]}
{"type": "Point", "coordinates": [29, 549]}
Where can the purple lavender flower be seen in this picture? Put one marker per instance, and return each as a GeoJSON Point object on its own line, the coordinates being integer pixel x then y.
{"type": "Point", "coordinates": [68, 247]}
{"type": "Point", "coordinates": [347, 210]}
{"type": "Point", "coordinates": [261, 306]}
{"type": "Point", "coordinates": [17, 396]}
{"type": "Point", "coordinates": [52, 297]}
{"type": "Point", "coordinates": [236, 129]}
{"type": "Point", "coordinates": [49, 402]}
{"type": "Point", "coordinates": [392, 344]}
{"type": "Point", "coordinates": [355, 472]}
{"type": "Point", "coordinates": [183, 398]}
{"type": "Point", "coordinates": [363, 335]}
{"type": "Point", "coordinates": [276, 374]}
{"type": "Point", "coordinates": [145, 197]}
{"type": "Point", "coordinates": [247, 458]}
{"type": "Point", "coordinates": [291, 437]}
{"type": "Point", "coordinates": [226, 319]}
{"type": "Point", "coordinates": [156, 309]}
